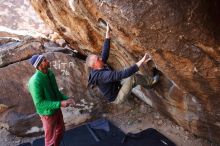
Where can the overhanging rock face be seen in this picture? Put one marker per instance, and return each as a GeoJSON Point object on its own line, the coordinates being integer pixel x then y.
{"type": "Point", "coordinates": [181, 36]}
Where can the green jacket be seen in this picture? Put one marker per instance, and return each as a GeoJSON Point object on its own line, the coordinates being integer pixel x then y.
{"type": "Point", "coordinates": [45, 93]}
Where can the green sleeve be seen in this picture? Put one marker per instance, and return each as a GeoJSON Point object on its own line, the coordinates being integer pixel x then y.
{"type": "Point", "coordinates": [64, 97]}
{"type": "Point", "coordinates": [39, 100]}
{"type": "Point", "coordinates": [54, 82]}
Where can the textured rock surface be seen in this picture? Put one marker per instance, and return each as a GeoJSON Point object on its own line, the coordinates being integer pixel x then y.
{"type": "Point", "coordinates": [19, 15]}
{"type": "Point", "coordinates": [181, 36]}
{"type": "Point", "coordinates": [17, 112]}
{"type": "Point", "coordinates": [12, 51]}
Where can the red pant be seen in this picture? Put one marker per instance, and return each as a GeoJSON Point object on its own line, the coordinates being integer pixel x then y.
{"type": "Point", "coordinates": [53, 128]}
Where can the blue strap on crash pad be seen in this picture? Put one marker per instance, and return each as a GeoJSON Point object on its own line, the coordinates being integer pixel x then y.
{"type": "Point", "coordinates": [100, 124]}
{"type": "Point", "coordinates": [92, 133]}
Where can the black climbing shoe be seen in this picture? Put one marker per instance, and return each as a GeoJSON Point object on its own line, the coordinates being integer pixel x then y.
{"type": "Point", "coordinates": [155, 79]}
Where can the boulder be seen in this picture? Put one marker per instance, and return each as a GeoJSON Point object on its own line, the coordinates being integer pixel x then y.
{"type": "Point", "coordinates": [181, 36]}
{"type": "Point", "coordinates": [15, 51]}
{"type": "Point", "coordinates": [19, 16]}
{"type": "Point", "coordinates": [17, 111]}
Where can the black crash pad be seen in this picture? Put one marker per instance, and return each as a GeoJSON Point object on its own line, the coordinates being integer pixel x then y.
{"type": "Point", "coordinates": [148, 137]}
{"type": "Point", "coordinates": [103, 133]}
{"type": "Point", "coordinates": [88, 134]}
{"type": "Point", "coordinates": [25, 144]}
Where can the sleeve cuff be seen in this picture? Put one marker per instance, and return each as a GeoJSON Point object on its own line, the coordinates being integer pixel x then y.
{"type": "Point", "coordinates": [59, 104]}
{"type": "Point", "coordinates": [65, 97]}
{"type": "Point", "coordinates": [136, 67]}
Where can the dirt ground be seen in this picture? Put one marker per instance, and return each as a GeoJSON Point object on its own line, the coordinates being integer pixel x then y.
{"type": "Point", "coordinates": [142, 116]}
{"type": "Point", "coordinates": [133, 116]}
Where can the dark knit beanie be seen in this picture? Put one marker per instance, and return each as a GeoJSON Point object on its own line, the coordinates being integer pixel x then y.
{"type": "Point", "coordinates": [36, 60]}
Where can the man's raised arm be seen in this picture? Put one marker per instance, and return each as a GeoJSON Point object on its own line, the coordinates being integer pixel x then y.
{"type": "Point", "coordinates": [106, 46]}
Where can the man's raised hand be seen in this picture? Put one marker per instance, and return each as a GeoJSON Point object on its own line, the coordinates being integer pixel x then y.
{"type": "Point", "coordinates": [144, 59]}
{"type": "Point", "coordinates": [107, 31]}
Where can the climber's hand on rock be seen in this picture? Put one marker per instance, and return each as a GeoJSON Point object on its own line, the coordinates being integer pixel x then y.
{"type": "Point", "coordinates": [148, 58]}
{"type": "Point", "coordinates": [107, 31]}
{"type": "Point", "coordinates": [144, 59]}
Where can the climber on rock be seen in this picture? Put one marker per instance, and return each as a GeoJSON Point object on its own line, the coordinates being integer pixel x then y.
{"type": "Point", "coordinates": [109, 81]}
